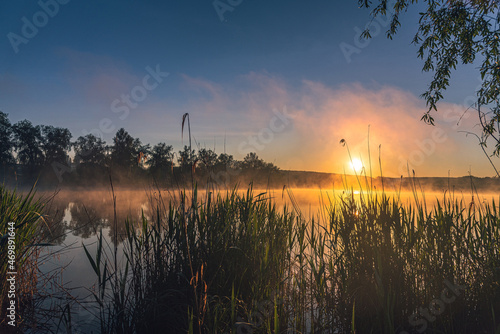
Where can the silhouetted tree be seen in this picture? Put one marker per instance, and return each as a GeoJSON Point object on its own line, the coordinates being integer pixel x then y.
{"type": "Point", "coordinates": [91, 159]}
{"type": "Point", "coordinates": [125, 150]}
{"type": "Point", "coordinates": [6, 144]}
{"type": "Point", "coordinates": [56, 144]}
{"type": "Point", "coordinates": [450, 32]}
{"type": "Point", "coordinates": [28, 142]}
{"type": "Point", "coordinates": [206, 159]}
{"type": "Point", "coordinates": [161, 159]}
{"type": "Point", "coordinates": [44, 150]}
{"type": "Point", "coordinates": [252, 161]}
{"type": "Point", "coordinates": [90, 150]}
{"type": "Point", "coordinates": [225, 161]}
{"type": "Point", "coordinates": [187, 159]}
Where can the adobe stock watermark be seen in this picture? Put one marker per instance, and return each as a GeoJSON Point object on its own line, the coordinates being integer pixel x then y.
{"type": "Point", "coordinates": [11, 274]}
{"type": "Point", "coordinates": [279, 122]}
{"type": "Point", "coordinates": [436, 307]}
{"type": "Point", "coordinates": [426, 147]}
{"type": "Point", "coordinates": [130, 100]}
{"type": "Point", "coordinates": [122, 107]}
{"type": "Point", "coordinates": [375, 26]}
{"type": "Point", "coordinates": [223, 6]}
{"type": "Point", "coordinates": [31, 27]}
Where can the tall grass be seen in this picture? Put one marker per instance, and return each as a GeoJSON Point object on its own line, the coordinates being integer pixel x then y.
{"type": "Point", "coordinates": [197, 265]}
{"type": "Point", "coordinates": [25, 211]}
{"type": "Point", "coordinates": [234, 263]}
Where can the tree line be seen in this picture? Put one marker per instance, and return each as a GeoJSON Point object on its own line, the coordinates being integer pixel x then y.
{"type": "Point", "coordinates": [30, 151]}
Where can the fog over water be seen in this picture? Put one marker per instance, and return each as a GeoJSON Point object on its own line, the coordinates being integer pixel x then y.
{"type": "Point", "coordinates": [83, 213]}
{"type": "Point", "coordinates": [76, 217]}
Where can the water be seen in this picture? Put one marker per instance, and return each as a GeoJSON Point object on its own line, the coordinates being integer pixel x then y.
{"type": "Point", "coordinates": [77, 218]}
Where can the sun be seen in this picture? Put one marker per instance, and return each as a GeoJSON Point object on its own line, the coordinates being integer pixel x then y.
{"type": "Point", "coordinates": [356, 165]}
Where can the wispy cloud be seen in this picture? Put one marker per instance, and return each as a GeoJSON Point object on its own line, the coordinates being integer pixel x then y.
{"type": "Point", "coordinates": [324, 115]}
{"type": "Point", "coordinates": [230, 113]}
{"type": "Point", "coordinates": [97, 78]}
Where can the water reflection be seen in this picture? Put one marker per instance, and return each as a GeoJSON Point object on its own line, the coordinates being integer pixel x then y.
{"type": "Point", "coordinates": [84, 213]}
{"type": "Point", "coordinates": [75, 218]}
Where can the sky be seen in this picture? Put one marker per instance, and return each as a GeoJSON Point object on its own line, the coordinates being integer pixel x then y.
{"type": "Point", "coordinates": [285, 79]}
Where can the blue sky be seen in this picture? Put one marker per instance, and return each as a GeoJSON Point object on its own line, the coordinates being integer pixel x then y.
{"type": "Point", "coordinates": [235, 77]}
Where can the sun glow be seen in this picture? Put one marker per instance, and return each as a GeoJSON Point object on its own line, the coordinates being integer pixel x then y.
{"type": "Point", "coordinates": [356, 165]}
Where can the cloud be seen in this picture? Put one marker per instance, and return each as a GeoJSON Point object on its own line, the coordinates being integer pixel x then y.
{"type": "Point", "coordinates": [247, 100]}
{"type": "Point", "coordinates": [99, 79]}
{"type": "Point", "coordinates": [201, 86]}
{"type": "Point", "coordinates": [323, 115]}
{"type": "Point", "coordinates": [329, 115]}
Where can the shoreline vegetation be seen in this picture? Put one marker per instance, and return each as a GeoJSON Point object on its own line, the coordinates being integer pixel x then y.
{"type": "Point", "coordinates": [21, 219]}
{"type": "Point", "coordinates": [231, 261]}
{"type": "Point", "coordinates": [41, 153]}
{"type": "Point", "coordinates": [215, 255]}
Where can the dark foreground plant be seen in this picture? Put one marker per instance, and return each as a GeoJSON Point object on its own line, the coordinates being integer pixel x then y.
{"type": "Point", "coordinates": [235, 263]}
{"type": "Point", "coordinates": [20, 220]}
{"type": "Point", "coordinates": [196, 265]}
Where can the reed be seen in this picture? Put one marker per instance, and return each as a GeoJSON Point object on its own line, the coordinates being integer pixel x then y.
{"type": "Point", "coordinates": [235, 263]}
{"type": "Point", "coordinates": [20, 222]}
